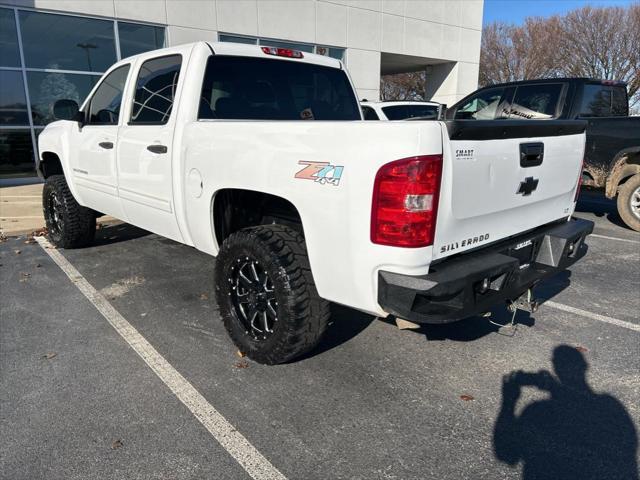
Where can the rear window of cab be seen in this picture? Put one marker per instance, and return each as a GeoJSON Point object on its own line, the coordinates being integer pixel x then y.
{"type": "Point", "coordinates": [247, 88]}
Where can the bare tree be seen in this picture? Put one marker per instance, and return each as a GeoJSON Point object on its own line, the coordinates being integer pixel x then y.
{"type": "Point", "coordinates": [587, 42]}
{"type": "Point", "coordinates": [403, 86]}
{"type": "Point", "coordinates": [512, 53]}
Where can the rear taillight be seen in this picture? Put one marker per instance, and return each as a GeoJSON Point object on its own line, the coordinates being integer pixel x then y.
{"type": "Point", "coordinates": [282, 52]}
{"type": "Point", "coordinates": [405, 202]}
{"type": "Point", "coordinates": [575, 199]}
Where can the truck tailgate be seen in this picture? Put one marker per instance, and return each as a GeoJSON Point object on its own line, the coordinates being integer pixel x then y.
{"type": "Point", "coordinates": [502, 178]}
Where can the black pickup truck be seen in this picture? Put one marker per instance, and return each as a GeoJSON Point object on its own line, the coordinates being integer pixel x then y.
{"type": "Point", "coordinates": [612, 154]}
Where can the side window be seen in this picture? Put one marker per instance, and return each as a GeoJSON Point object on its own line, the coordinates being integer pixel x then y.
{"type": "Point", "coordinates": [596, 101]}
{"type": "Point", "coordinates": [155, 90]}
{"type": "Point", "coordinates": [619, 102]}
{"type": "Point", "coordinates": [369, 113]}
{"type": "Point", "coordinates": [104, 107]}
{"type": "Point", "coordinates": [482, 106]}
{"type": "Point", "coordinates": [536, 102]}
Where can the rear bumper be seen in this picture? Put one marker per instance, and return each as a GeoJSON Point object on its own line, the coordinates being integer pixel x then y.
{"type": "Point", "coordinates": [453, 289]}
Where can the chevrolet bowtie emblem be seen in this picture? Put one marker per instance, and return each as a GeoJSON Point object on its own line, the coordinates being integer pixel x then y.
{"type": "Point", "coordinates": [527, 186]}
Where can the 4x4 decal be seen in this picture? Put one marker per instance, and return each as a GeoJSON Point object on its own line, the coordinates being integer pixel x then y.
{"type": "Point", "coordinates": [321, 172]}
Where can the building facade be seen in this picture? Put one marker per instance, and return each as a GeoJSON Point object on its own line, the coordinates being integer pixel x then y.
{"type": "Point", "coordinates": [51, 49]}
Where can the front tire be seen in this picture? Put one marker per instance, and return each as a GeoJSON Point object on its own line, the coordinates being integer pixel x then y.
{"type": "Point", "coordinates": [69, 225]}
{"type": "Point", "coordinates": [629, 202]}
{"type": "Point", "coordinates": [266, 294]}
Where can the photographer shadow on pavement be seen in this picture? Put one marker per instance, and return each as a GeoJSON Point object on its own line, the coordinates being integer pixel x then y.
{"type": "Point", "coordinates": [574, 434]}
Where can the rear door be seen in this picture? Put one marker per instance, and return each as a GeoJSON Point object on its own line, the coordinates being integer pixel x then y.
{"type": "Point", "coordinates": [145, 144]}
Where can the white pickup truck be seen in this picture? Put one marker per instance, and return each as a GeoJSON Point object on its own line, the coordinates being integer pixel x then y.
{"type": "Point", "coordinates": [260, 156]}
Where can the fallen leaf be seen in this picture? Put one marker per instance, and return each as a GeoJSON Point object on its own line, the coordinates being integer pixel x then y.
{"type": "Point", "coordinates": [41, 232]}
{"type": "Point", "coordinates": [466, 397]}
{"type": "Point", "coordinates": [204, 296]}
{"type": "Point", "coordinates": [582, 349]}
{"type": "Point", "coordinates": [242, 364]}
{"type": "Point", "coordinates": [116, 444]}
{"type": "Point", "coordinates": [49, 355]}
{"type": "Point", "coordinates": [240, 354]}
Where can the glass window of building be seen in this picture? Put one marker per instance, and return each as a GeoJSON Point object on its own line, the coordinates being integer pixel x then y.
{"type": "Point", "coordinates": [337, 53]}
{"type": "Point", "coordinates": [45, 88]}
{"type": "Point", "coordinates": [135, 38]}
{"type": "Point", "coordinates": [64, 56]}
{"type": "Point", "coordinates": [293, 46]}
{"type": "Point", "coordinates": [236, 39]}
{"type": "Point", "coordinates": [16, 152]}
{"type": "Point", "coordinates": [9, 53]}
{"type": "Point", "coordinates": [67, 43]}
{"type": "Point", "coordinates": [13, 102]}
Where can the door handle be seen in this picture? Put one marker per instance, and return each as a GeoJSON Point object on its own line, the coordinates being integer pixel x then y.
{"type": "Point", "coordinates": [531, 154]}
{"type": "Point", "coordinates": [157, 148]}
{"type": "Point", "coordinates": [106, 145]}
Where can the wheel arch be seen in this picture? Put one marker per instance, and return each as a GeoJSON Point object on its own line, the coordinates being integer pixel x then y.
{"type": "Point", "coordinates": [50, 164]}
{"type": "Point", "coordinates": [235, 208]}
{"type": "Point", "coordinates": [625, 164]}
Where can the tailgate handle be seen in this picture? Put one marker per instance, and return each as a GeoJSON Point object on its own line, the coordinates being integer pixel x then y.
{"type": "Point", "coordinates": [531, 154]}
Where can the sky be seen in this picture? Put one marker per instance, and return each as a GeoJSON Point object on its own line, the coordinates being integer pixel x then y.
{"type": "Point", "coordinates": [515, 11]}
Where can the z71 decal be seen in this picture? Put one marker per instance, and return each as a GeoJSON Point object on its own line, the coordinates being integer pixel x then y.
{"type": "Point", "coordinates": [321, 172]}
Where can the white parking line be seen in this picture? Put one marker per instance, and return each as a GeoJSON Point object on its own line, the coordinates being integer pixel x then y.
{"type": "Point", "coordinates": [254, 463]}
{"type": "Point", "coordinates": [614, 238]}
{"type": "Point", "coordinates": [594, 316]}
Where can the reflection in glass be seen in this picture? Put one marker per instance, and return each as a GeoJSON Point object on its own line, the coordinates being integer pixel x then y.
{"type": "Point", "coordinates": [16, 153]}
{"type": "Point", "coordinates": [104, 108]}
{"type": "Point", "coordinates": [67, 43]}
{"type": "Point", "coordinates": [45, 88]}
{"type": "Point", "coordinates": [135, 39]}
{"type": "Point", "coordinates": [235, 39]}
{"type": "Point", "coordinates": [337, 53]}
{"type": "Point", "coordinates": [155, 90]}
{"type": "Point", "coordinates": [9, 54]}
{"type": "Point", "coordinates": [13, 103]}
{"type": "Point", "coordinates": [293, 46]}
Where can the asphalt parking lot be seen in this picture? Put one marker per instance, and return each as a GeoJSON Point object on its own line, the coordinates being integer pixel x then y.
{"type": "Point", "coordinates": [79, 400]}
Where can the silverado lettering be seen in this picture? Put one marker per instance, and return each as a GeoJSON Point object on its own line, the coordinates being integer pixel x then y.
{"type": "Point", "coordinates": [464, 243]}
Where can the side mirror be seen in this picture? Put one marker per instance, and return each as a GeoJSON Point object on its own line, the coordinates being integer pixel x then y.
{"type": "Point", "coordinates": [66, 110]}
